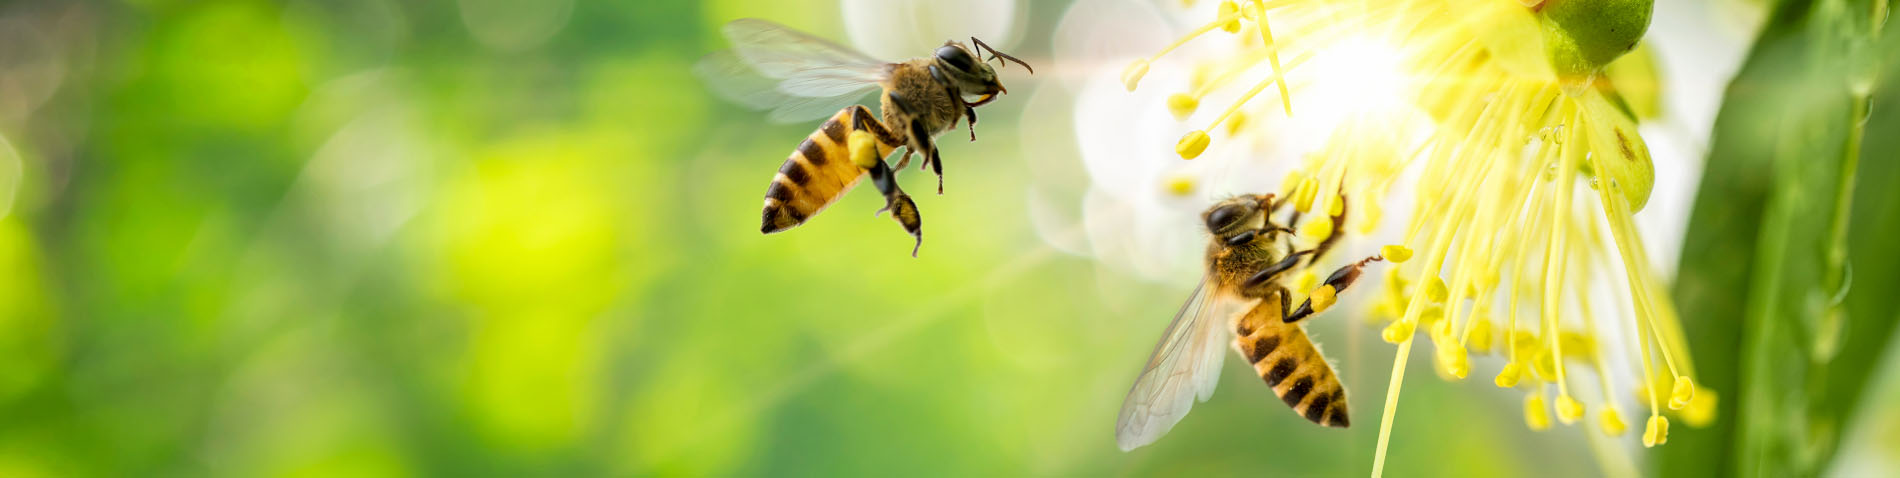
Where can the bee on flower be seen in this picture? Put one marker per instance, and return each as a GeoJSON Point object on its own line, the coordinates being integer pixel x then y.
{"type": "Point", "coordinates": [1525, 166]}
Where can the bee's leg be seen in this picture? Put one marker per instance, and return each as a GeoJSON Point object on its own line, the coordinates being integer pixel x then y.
{"type": "Point", "coordinates": [863, 120]}
{"type": "Point", "coordinates": [903, 161]}
{"type": "Point", "coordinates": [1339, 281]}
{"type": "Point", "coordinates": [1264, 278]}
{"type": "Point", "coordinates": [1286, 298]}
{"type": "Point", "coordinates": [970, 111]}
{"type": "Point", "coordinates": [898, 203]}
{"type": "Point", "coordinates": [921, 139]}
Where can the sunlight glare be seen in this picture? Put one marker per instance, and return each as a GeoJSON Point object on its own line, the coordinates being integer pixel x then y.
{"type": "Point", "coordinates": [1357, 75]}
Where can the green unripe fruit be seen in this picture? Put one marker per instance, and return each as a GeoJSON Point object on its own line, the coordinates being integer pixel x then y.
{"type": "Point", "coordinates": [1583, 36]}
{"type": "Point", "coordinates": [1558, 39]}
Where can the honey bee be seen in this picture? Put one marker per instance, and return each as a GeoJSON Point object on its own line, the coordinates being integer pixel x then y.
{"type": "Point", "coordinates": [807, 76]}
{"type": "Point", "coordinates": [1248, 258]}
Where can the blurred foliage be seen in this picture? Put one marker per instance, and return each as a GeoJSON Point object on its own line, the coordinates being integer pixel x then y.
{"type": "Point", "coordinates": [503, 238]}
{"type": "Point", "coordinates": [1788, 270]}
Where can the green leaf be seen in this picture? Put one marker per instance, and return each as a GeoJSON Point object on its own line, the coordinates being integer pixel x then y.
{"type": "Point", "coordinates": [1787, 274]}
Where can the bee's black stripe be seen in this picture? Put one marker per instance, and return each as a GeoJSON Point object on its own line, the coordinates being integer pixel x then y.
{"type": "Point", "coordinates": [834, 129]}
{"type": "Point", "coordinates": [1317, 410]}
{"type": "Point", "coordinates": [798, 217]}
{"type": "Point", "coordinates": [1281, 369]}
{"type": "Point", "coordinates": [1262, 348]}
{"type": "Point", "coordinates": [779, 192]}
{"type": "Point", "coordinates": [1298, 393]}
{"type": "Point", "coordinates": [813, 153]}
{"type": "Point", "coordinates": [1338, 416]}
{"type": "Point", "coordinates": [795, 171]}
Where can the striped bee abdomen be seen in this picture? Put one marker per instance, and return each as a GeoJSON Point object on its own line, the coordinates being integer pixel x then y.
{"type": "Point", "coordinates": [817, 174]}
{"type": "Point", "coordinates": [1287, 360]}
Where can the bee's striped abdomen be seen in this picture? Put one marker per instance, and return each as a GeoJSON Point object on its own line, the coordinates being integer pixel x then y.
{"type": "Point", "coordinates": [1287, 360]}
{"type": "Point", "coordinates": [816, 174]}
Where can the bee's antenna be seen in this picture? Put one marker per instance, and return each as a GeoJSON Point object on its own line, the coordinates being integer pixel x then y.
{"type": "Point", "coordinates": [997, 54]}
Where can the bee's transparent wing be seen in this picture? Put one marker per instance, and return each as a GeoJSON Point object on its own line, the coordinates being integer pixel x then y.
{"type": "Point", "coordinates": [796, 75]}
{"type": "Point", "coordinates": [1185, 366]}
{"type": "Point", "coordinates": [732, 78]}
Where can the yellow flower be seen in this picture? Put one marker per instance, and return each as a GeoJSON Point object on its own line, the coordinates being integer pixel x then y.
{"type": "Point", "coordinates": [1527, 173]}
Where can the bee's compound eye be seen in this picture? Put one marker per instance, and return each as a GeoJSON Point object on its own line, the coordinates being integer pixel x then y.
{"type": "Point", "coordinates": [1225, 216]}
{"type": "Point", "coordinates": [956, 57]}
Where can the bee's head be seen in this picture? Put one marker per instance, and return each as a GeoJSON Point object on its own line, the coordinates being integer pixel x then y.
{"type": "Point", "coordinates": [1234, 216]}
{"type": "Point", "coordinates": [965, 66]}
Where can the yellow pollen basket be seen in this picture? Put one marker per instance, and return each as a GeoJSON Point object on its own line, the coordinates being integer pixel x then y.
{"type": "Point", "coordinates": [1323, 298]}
{"type": "Point", "coordinates": [863, 149]}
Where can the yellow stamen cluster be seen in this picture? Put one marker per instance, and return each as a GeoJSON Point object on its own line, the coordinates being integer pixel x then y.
{"type": "Point", "coordinates": [1526, 186]}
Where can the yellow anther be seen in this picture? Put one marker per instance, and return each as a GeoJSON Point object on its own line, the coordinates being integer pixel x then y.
{"type": "Point", "coordinates": [1251, 10]}
{"type": "Point", "coordinates": [1197, 79]}
{"type": "Point", "coordinates": [1317, 229]}
{"type": "Point", "coordinates": [1487, 279]}
{"type": "Point", "coordinates": [1131, 77]}
{"type": "Point", "coordinates": [1395, 253]}
{"type": "Point", "coordinates": [1701, 409]}
{"type": "Point", "coordinates": [1535, 414]}
{"type": "Point", "coordinates": [1192, 144]}
{"type": "Point", "coordinates": [1369, 216]}
{"type": "Point", "coordinates": [1303, 198]}
{"type": "Point", "coordinates": [1395, 284]}
{"type": "Point", "coordinates": [1508, 377]}
{"type": "Point", "coordinates": [1180, 185]}
{"type": "Point", "coordinates": [1307, 280]}
{"type": "Point", "coordinates": [1569, 410]}
{"type": "Point", "coordinates": [1289, 185]}
{"type": "Point", "coordinates": [1183, 105]}
{"type": "Point", "coordinates": [1235, 122]}
{"type": "Point", "coordinates": [1335, 207]}
{"type": "Point", "coordinates": [1441, 329]}
{"type": "Point", "coordinates": [1611, 421]}
{"type": "Point", "coordinates": [1453, 360]}
{"type": "Point", "coordinates": [1431, 314]}
{"type": "Point", "coordinates": [1684, 392]}
{"type": "Point", "coordinates": [863, 149]}
{"type": "Point", "coordinates": [1577, 345]}
{"type": "Point", "coordinates": [1399, 331]}
{"type": "Point", "coordinates": [1435, 290]}
{"type": "Point", "coordinates": [1385, 309]}
{"type": "Point", "coordinates": [1657, 432]}
{"type": "Point", "coordinates": [1323, 297]}
{"type": "Point", "coordinates": [1480, 338]}
{"type": "Point", "coordinates": [1229, 9]}
{"type": "Point", "coordinates": [1545, 366]}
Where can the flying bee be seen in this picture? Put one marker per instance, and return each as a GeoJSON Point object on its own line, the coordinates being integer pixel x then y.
{"type": "Point", "coordinates": [808, 76]}
{"type": "Point", "coordinates": [1248, 258]}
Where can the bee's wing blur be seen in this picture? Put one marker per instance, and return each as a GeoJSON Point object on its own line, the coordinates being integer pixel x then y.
{"type": "Point", "coordinates": [796, 75]}
{"type": "Point", "coordinates": [1184, 366]}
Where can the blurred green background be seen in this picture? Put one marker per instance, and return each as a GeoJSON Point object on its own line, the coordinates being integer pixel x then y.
{"type": "Point", "coordinates": [381, 238]}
